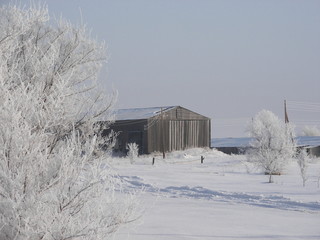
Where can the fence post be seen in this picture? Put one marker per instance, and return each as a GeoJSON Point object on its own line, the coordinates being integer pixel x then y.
{"type": "Point", "coordinates": [202, 158]}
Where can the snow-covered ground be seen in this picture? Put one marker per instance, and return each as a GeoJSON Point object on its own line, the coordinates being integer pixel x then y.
{"type": "Point", "coordinates": [223, 198]}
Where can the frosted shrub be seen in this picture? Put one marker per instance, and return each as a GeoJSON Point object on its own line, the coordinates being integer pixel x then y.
{"type": "Point", "coordinates": [303, 159]}
{"type": "Point", "coordinates": [133, 151]}
{"type": "Point", "coordinates": [273, 143]}
{"type": "Point", "coordinates": [54, 182]}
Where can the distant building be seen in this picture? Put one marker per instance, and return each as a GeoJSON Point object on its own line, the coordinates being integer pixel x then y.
{"type": "Point", "coordinates": [310, 143]}
{"type": "Point", "coordinates": [241, 145]}
{"type": "Point", "coordinates": [160, 129]}
{"type": "Point", "coordinates": [231, 145]}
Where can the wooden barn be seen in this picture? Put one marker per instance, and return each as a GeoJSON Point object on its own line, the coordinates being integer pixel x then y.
{"type": "Point", "coordinates": [160, 129]}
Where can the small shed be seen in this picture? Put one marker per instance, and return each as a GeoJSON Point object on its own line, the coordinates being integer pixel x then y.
{"type": "Point", "coordinates": [160, 129]}
{"type": "Point", "coordinates": [310, 143]}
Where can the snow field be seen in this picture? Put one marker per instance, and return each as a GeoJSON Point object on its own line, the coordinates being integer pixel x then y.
{"type": "Point", "coordinates": [223, 198]}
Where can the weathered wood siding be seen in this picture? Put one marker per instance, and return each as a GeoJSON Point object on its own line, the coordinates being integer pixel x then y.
{"type": "Point", "coordinates": [182, 114]}
{"type": "Point", "coordinates": [187, 134]}
{"type": "Point", "coordinates": [170, 135]}
{"type": "Point", "coordinates": [178, 129]}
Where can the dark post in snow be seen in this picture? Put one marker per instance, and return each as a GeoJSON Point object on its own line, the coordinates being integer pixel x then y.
{"type": "Point", "coordinates": [202, 158]}
{"type": "Point", "coordinates": [153, 160]}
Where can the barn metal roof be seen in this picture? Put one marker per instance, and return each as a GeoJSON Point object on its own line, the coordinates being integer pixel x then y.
{"type": "Point", "coordinates": [140, 113]}
{"type": "Point", "coordinates": [308, 140]}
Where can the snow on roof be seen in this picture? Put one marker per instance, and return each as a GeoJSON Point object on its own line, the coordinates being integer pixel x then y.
{"type": "Point", "coordinates": [140, 113]}
{"type": "Point", "coordinates": [308, 141]}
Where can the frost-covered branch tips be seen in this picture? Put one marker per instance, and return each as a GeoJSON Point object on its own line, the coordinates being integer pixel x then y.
{"type": "Point", "coordinates": [54, 183]}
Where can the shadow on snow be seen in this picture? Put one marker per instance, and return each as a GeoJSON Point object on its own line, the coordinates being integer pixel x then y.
{"type": "Point", "coordinates": [267, 201]}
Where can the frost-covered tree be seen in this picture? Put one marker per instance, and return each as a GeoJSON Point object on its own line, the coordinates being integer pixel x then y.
{"type": "Point", "coordinates": [133, 151]}
{"type": "Point", "coordinates": [54, 183]}
{"type": "Point", "coordinates": [303, 159]}
{"type": "Point", "coordinates": [273, 143]}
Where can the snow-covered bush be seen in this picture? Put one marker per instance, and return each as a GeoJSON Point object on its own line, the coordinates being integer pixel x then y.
{"type": "Point", "coordinates": [273, 143]}
{"type": "Point", "coordinates": [303, 159]}
{"type": "Point", "coordinates": [133, 151]}
{"type": "Point", "coordinates": [54, 183]}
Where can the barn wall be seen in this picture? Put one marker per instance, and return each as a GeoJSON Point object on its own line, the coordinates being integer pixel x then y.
{"type": "Point", "coordinates": [183, 114]}
{"type": "Point", "coordinates": [173, 135]}
{"type": "Point", "coordinates": [314, 151]}
{"type": "Point", "coordinates": [130, 131]}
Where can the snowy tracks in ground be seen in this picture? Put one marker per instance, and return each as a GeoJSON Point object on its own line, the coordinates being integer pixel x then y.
{"type": "Point", "coordinates": [272, 201]}
{"type": "Point", "coordinates": [201, 193]}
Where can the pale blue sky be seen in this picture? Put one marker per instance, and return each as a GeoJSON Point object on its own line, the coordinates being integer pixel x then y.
{"type": "Point", "coordinates": [224, 59]}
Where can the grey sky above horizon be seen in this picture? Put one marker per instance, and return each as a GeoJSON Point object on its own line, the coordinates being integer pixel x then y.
{"type": "Point", "coordinates": [225, 59]}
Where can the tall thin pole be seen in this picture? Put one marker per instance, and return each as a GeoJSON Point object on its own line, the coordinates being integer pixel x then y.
{"type": "Point", "coordinates": [286, 118]}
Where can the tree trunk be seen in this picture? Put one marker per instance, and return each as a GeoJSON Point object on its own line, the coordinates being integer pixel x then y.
{"type": "Point", "coordinates": [270, 178]}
